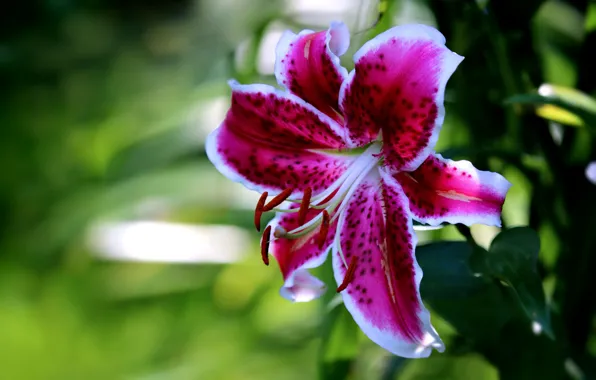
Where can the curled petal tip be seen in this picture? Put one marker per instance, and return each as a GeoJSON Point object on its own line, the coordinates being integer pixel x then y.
{"type": "Point", "coordinates": [303, 287]}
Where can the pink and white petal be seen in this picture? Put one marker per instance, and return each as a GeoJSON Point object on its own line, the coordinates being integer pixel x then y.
{"type": "Point", "coordinates": [383, 295]}
{"type": "Point", "coordinates": [264, 167]}
{"type": "Point", "coordinates": [397, 87]}
{"type": "Point", "coordinates": [296, 256]}
{"type": "Point", "coordinates": [267, 114]}
{"type": "Point", "coordinates": [443, 190]}
{"type": "Point", "coordinates": [308, 65]}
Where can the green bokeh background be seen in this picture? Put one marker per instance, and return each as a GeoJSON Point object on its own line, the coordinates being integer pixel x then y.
{"type": "Point", "coordinates": [105, 107]}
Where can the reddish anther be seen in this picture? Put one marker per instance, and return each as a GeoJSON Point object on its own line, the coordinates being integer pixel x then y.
{"type": "Point", "coordinates": [304, 206]}
{"type": "Point", "coordinates": [259, 210]}
{"type": "Point", "coordinates": [349, 275]}
{"type": "Point", "coordinates": [278, 199]}
{"type": "Point", "coordinates": [324, 229]}
{"type": "Point", "coordinates": [328, 198]}
{"type": "Point", "coordinates": [265, 245]}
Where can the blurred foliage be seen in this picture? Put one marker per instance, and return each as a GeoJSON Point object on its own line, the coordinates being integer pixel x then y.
{"type": "Point", "coordinates": [105, 108]}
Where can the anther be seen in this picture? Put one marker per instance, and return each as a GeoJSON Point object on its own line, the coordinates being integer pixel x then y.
{"type": "Point", "coordinates": [328, 198]}
{"type": "Point", "coordinates": [324, 229]}
{"type": "Point", "coordinates": [304, 206]}
{"type": "Point", "coordinates": [265, 245]}
{"type": "Point", "coordinates": [259, 210]}
{"type": "Point", "coordinates": [349, 275]}
{"type": "Point", "coordinates": [278, 199]}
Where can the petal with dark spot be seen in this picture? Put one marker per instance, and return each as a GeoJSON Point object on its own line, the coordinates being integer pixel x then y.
{"type": "Point", "coordinates": [442, 190]}
{"type": "Point", "coordinates": [308, 65]}
{"type": "Point", "coordinates": [383, 295]}
{"type": "Point", "coordinates": [397, 87]}
{"type": "Point", "coordinates": [264, 167]}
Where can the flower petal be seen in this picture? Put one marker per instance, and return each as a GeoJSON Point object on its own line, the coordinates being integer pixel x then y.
{"type": "Point", "coordinates": [295, 256]}
{"type": "Point", "coordinates": [442, 190]}
{"type": "Point", "coordinates": [263, 113]}
{"type": "Point", "coordinates": [308, 65]}
{"type": "Point", "coordinates": [383, 295]}
{"type": "Point", "coordinates": [264, 167]}
{"type": "Point", "coordinates": [398, 86]}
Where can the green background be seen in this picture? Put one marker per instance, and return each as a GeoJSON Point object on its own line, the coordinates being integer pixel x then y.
{"type": "Point", "coordinates": [105, 107]}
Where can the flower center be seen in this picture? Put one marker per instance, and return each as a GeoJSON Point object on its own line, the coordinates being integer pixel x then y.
{"type": "Point", "coordinates": [332, 202]}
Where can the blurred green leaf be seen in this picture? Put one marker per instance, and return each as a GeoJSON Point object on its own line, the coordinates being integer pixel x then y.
{"type": "Point", "coordinates": [340, 344]}
{"type": "Point", "coordinates": [340, 333]}
{"type": "Point", "coordinates": [447, 367]}
{"type": "Point", "coordinates": [446, 270]}
{"type": "Point", "coordinates": [474, 304]}
{"type": "Point", "coordinates": [512, 258]}
{"type": "Point", "coordinates": [561, 104]}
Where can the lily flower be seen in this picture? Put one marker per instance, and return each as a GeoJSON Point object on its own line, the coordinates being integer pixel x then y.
{"type": "Point", "coordinates": [349, 161]}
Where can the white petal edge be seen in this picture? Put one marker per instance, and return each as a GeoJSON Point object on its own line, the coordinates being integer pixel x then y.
{"type": "Point", "coordinates": [302, 286]}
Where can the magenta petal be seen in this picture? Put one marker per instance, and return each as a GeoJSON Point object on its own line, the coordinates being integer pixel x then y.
{"type": "Point", "coordinates": [263, 113]}
{"type": "Point", "coordinates": [442, 190]}
{"type": "Point", "coordinates": [383, 295]}
{"type": "Point", "coordinates": [265, 167]}
{"type": "Point", "coordinates": [295, 256]}
{"type": "Point", "coordinates": [398, 87]}
{"type": "Point", "coordinates": [308, 65]}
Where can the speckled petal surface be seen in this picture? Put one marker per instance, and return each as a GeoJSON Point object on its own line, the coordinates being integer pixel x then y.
{"type": "Point", "coordinates": [263, 167]}
{"type": "Point", "coordinates": [442, 190]}
{"type": "Point", "coordinates": [398, 87]}
{"type": "Point", "coordinates": [383, 296]}
{"type": "Point", "coordinates": [307, 64]}
{"type": "Point", "coordinates": [267, 142]}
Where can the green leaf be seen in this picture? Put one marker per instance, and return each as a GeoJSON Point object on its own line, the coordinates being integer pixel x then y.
{"type": "Point", "coordinates": [561, 104]}
{"type": "Point", "coordinates": [512, 258]}
{"type": "Point", "coordinates": [446, 270]}
{"type": "Point", "coordinates": [473, 303]}
{"type": "Point", "coordinates": [340, 344]}
{"type": "Point", "coordinates": [340, 333]}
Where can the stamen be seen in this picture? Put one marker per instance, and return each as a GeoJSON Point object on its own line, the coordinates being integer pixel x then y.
{"type": "Point", "coordinates": [278, 199]}
{"type": "Point", "coordinates": [324, 229]}
{"type": "Point", "coordinates": [259, 210]}
{"type": "Point", "coordinates": [265, 245]}
{"type": "Point", "coordinates": [304, 206]}
{"type": "Point", "coordinates": [349, 275]}
{"type": "Point", "coordinates": [328, 198]}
